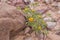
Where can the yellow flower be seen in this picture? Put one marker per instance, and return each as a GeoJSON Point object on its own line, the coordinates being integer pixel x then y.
{"type": "Point", "coordinates": [39, 28]}
{"type": "Point", "coordinates": [26, 9]}
{"type": "Point", "coordinates": [33, 10]}
{"type": "Point", "coordinates": [39, 16]}
{"type": "Point", "coordinates": [31, 19]}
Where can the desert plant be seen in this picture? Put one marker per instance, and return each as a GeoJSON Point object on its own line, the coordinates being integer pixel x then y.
{"type": "Point", "coordinates": [35, 20]}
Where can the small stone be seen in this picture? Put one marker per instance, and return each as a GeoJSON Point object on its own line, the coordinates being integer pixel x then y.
{"type": "Point", "coordinates": [51, 25]}
{"type": "Point", "coordinates": [32, 1]}
{"type": "Point", "coordinates": [48, 19]}
{"type": "Point", "coordinates": [27, 30]}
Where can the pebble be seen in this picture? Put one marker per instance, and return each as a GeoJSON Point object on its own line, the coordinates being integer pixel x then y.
{"type": "Point", "coordinates": [47, 19]}
{"type": "Point", "coordinates": [51, 24]}
{"type": "Point", "coordinates": [27, 30]}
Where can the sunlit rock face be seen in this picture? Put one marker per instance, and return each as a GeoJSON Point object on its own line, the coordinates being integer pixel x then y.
{"type": "Point", "coordinates": [10, 19]}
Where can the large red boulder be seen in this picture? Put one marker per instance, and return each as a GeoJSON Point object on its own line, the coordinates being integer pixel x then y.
{"type": "Point", "coordinates": [10, 19]}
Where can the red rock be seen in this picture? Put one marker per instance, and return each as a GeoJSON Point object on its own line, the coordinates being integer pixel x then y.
{"type": "Point", "coordinates": [10, 19]}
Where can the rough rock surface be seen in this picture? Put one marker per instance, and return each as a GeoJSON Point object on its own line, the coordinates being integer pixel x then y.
{"type": "Point", "coordinates": [10, 19]}
{"type": "Point", "coordinates": [16, 3]}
